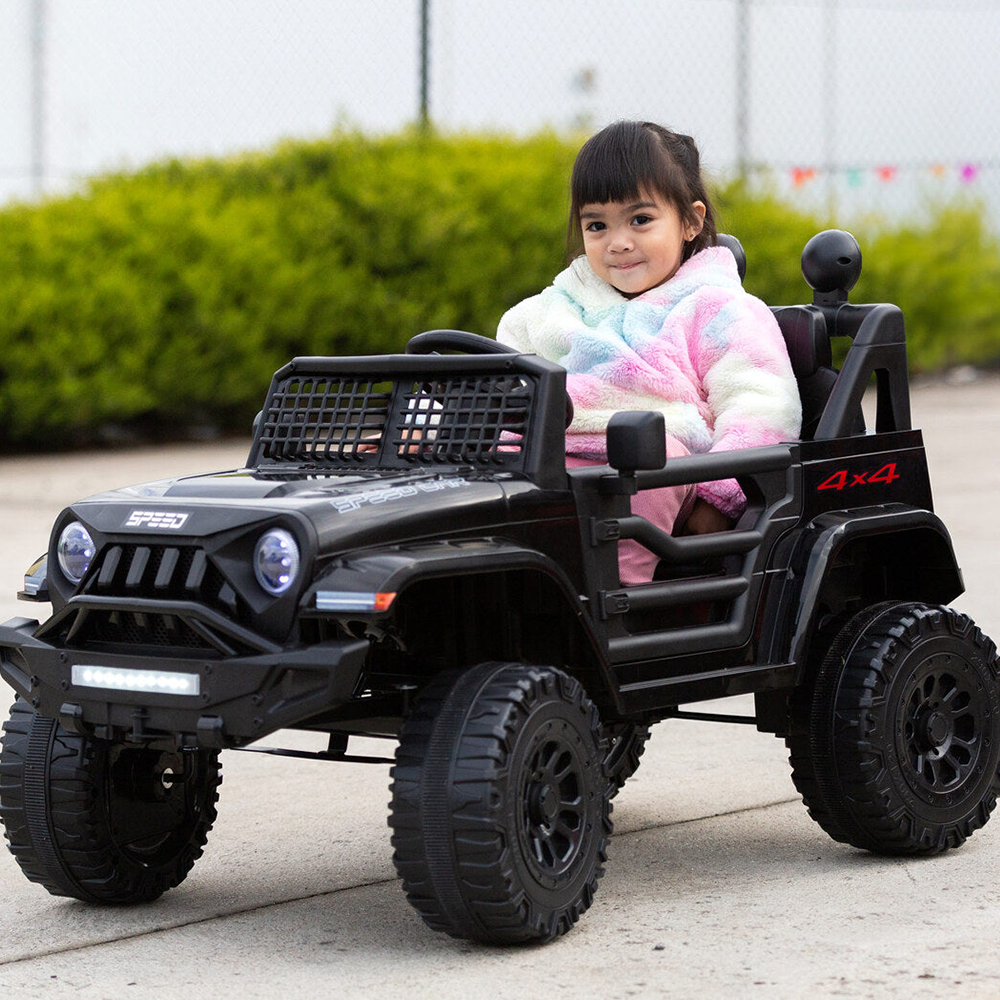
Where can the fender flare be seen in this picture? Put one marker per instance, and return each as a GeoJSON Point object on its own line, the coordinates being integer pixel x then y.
{"type": "Point", "coordinates": [392, 569]}
{"type": "Point", "coordinates": [831, 533]}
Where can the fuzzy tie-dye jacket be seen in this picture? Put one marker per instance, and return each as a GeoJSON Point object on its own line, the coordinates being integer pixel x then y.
{"type": "Point", "coordinates": [698, 348]}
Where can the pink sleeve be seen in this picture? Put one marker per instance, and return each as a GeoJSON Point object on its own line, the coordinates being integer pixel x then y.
{"type": "Point", "coordinates": [749, 387]}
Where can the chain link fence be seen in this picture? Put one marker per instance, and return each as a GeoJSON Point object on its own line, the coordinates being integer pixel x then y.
{"type": "Point", "coordinates": [842, 105]}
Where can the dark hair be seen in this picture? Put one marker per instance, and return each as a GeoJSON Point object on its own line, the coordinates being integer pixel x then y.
{"type": "Point", "coordinates": [626, 157]}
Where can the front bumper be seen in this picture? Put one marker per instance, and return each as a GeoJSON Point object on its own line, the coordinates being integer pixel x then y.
{"type": "Point", "coordinates": [241, 698]}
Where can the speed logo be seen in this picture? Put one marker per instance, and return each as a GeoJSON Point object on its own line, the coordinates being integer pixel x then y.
{"type": "Point", "coordinates": [156, 520]}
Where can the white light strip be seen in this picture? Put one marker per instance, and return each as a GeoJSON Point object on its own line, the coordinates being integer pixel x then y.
{"type": "Point", "coordinates": [344, 600]}
{"type": "Point", "coordinates": [143, 681]}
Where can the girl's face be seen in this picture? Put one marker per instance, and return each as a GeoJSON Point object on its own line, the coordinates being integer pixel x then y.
{"type": "Point", "coordinates": [636, 246]}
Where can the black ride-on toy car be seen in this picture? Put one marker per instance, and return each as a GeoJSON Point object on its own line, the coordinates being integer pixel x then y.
{"type": "Point", "coordinates": [405, 555]}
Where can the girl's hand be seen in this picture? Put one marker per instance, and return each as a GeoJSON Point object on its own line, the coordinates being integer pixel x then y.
{"type": "Point", "coordinates": [705, 519]}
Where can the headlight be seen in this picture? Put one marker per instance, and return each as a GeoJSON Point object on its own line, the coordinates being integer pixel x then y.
{"type": "Point", "coordinates": [75, 551]}
{"type": "Point", "coordinates": [276, 561]}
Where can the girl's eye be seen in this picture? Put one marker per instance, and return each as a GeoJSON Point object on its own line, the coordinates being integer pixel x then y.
{"type": "Point", "coordinates": [594, 227]}
{"type": "Point", "coordinates": [641, 220]}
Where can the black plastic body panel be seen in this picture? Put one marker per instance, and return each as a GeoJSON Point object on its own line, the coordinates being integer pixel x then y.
{"type": "Point", "coordinates": [916, 563]}
{"type": "Point", "coordinates": [241, 699]}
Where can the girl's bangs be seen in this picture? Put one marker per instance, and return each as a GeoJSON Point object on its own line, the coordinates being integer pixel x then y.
{"type": "Point", "coordinates": [614, 170]}
{"type": "Point", "coordinates": [605, 179]}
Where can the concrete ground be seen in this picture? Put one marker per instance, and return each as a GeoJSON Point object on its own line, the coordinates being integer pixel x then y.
{"type": "Point", "coordinates": [718, 884]}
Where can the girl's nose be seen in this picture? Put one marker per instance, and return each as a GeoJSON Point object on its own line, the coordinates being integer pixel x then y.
{"type": "Point", "coordinates": [621, 240]}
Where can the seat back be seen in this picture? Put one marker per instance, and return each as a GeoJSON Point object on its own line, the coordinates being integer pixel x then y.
{"type": "Point", "coordinates": [808, 344]}
{"type": "Point", "coordinates": [831, 265]}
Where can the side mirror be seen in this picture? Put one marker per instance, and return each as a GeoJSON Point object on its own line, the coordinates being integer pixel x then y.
{"type": "Point", "coordinates": [36, 584]}
{"type": "Point", "coordinates": [636, 440]}
{"type": "Point", "coordinates": [831, 265]}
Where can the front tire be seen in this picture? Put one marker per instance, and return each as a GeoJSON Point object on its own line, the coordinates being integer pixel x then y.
{"type": "Point", "coordinates": [98, 821]}
{"type": "Point", "coordinates": [500, 804]}
{"type": "Point", "coordinates": [896, 749]}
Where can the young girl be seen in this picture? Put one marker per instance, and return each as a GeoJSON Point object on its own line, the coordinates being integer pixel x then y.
{"type": "Point", "coordinates": [652, 316]}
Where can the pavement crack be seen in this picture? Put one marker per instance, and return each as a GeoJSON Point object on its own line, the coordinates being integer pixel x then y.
{"type": "Point", "coordinates": [701, 819]}
{"type": "Point", "coordinates": [177, 925]}
{"type": "Point", "coordinates": [163, 928]}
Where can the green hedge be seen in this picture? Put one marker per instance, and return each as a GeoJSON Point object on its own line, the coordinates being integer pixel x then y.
{"type": "Point", "coordinates": [163, 300]}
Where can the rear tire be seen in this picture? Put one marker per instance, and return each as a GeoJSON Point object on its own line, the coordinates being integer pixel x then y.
{"type": "Point", "coordinates": [500, 805]}
{"type": "Point", "coordinates": [626, 743]}
{"type": "Point", "coordinates": [98, 821]}
{"type": "Point", "coordinates": [896, 745]}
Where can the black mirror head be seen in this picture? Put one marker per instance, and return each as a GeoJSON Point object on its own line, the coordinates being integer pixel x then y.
{"type": "Point", "coordinates": [637, 440]}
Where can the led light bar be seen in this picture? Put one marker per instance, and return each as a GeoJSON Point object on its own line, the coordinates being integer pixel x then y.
{"type": "Point", "coordinates": [350, 600]}
{"type": "Point", "coordinates": [143, 681]}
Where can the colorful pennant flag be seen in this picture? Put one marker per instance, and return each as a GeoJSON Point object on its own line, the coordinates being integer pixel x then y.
{"type": "Point", "coordinates": [886, 173]}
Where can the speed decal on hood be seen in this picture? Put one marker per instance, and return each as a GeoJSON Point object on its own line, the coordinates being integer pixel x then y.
{"type": "Point", "coordinates": [162, 520]}
{"type": "Point", "coordinates": [384, 495]}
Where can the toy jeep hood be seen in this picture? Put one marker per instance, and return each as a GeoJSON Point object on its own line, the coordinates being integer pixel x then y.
{"type": "Point", "coordinates": [197, 538]}
{"type": "Point", "coordinates": [337, 509]}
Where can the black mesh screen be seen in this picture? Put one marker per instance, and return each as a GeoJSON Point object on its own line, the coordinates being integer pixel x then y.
{"type": "Point", "coordinates": [319, 419]}
{"type": "Point", "coordinates": [466, 420]}
{"type": "Point", "coordinates": [463, 419]}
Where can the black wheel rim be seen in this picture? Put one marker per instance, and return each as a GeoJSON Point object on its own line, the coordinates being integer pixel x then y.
{"type": "Point", "coordinates": [944, 715]}
{"type": "Point", "coordinates": [153, 801]}
{"type": "Point", "coordinates": [553, 822]}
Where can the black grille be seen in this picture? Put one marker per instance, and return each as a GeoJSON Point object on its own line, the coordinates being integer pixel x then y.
{"type": "Point", "coordinates": [139, 629]}
{"type": "Point", "coordinates": [455, 419]}
{"type": "Point", "coordinates": [86, 624]}
{"type": "Point", "coordinates": [166, 572]}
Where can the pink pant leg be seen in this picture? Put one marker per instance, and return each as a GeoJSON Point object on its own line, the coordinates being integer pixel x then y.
{"type": "Point", "coordinates": [662, 507]}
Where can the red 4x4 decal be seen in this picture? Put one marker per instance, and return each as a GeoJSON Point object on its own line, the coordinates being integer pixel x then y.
{"type": "Point", "coordinates": [839, 480]}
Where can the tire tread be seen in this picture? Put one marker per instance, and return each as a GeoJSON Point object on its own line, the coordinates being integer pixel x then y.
{"type": "Point", "coordinates": [53, 817]}
{"type": "Point", "coordinates": [837, 768]}
{"type": "Point", "coordinates": [450, 851]}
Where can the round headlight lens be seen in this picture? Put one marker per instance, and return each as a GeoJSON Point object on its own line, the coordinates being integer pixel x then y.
{"type": "Point", "coordinates": [276, 561]}
{"type": "Point", "coordinates": [75, 551]}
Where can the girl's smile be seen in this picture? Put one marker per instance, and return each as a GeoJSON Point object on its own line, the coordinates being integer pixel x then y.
{"type": "Point", "coordinates": [635, 246]}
